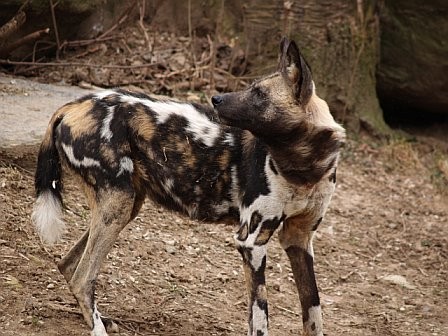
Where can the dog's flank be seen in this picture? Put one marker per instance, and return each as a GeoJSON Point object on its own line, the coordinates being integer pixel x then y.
{"type": "Point", "coordinates": [262, 157]}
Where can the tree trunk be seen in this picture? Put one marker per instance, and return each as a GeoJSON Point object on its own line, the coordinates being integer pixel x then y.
{"type": "Point", "coordinates": [339, 38]}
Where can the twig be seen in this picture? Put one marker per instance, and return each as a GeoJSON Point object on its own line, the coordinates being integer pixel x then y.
{"type": "Point", "coordinates": [287, 5]}
{"type": "Point", "coordinates": [248, 46]}
{"type": "Point", "coordinates": [142, 25]}
{"type": "Point", "coordinates": [62, 308]}
{"type": "Point", "coordinates": [70, 210]}
{"type": "Point", "coordinates": [9, 256]}
{"type": "Point", "coordinates": [287, 310]}
{"type": "Point", "coordinates": [79, 64]}
{"type": "Point", "coordinates": [55, 27]}
{"type": "Point", "coordinates": [24, 256]}
{"type": "Point", "coordinates": [423, 272]}
{"type": "Point", "coordinates": [15, 23]}
{"type": "Point", "coordinates": [190, 35]}
{"type": "Point", "coordinates": [48, 252]}
{"type": "Point", "coordinates": [122, 18]}
{"type": "Point", "coordinates": [212, 64]}
{"type": "Point", "coordinates": [24, 40]}
{"type": "Point", "coordinates": [23, 6]}
{"type": "Point", "coordinates": [81, 43]}
{"type": "Point", "coordinates": [126, 320]}
{"type": "Point", "coordinates": [103, 37]}
{"type": "Point", "coordinates": [14, 165]}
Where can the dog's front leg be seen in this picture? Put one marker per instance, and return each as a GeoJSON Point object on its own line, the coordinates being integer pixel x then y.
{"type": "Point", "coordinates": [296, 239]}
{"type": "Point", "coordinates": [251, 241]}
{"type": "Point", "coordinates": [254, 262]}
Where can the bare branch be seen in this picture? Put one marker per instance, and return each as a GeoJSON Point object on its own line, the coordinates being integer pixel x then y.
{"type": "Point", "coordinates": [12, 25]}
{"type": "Point", "coordinates": [79, 64]}
{"type": "Point", "coordinates": [23, 40]}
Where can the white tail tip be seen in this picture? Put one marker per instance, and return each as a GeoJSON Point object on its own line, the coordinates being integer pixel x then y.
{"type": "Point", "coordinates": [47, 217]}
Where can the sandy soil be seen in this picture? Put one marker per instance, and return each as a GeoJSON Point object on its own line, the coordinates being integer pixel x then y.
{"type": "Point", "coordinates": [381, 260]}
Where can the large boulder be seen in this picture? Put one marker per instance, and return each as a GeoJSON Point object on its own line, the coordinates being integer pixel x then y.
{"type": "Point", "coordinates": [413, 70]}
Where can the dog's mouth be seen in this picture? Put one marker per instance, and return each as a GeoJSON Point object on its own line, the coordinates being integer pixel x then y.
{"type": "Point", "coordinates": [225, 120]}
{"type": "Point", "coordinates": [233, 119]}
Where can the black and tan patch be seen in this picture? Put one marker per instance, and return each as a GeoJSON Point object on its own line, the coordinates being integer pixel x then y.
{"type": "Point", "coordinates": [78, 117]}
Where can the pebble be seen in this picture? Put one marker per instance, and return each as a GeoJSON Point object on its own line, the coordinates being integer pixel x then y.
{"type": "Point", "coordinates": [170, 249]}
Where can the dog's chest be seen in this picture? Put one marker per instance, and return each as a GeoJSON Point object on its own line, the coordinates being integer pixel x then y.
{"type": "Point", "coordinates": [284, 199]}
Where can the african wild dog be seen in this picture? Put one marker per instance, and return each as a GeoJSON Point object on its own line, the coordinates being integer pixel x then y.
{"type": "Point", "coordinates": [264, 157]}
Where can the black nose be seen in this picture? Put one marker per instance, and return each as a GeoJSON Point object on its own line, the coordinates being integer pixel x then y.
{"type": "Point", "coordinates": [216, 100]}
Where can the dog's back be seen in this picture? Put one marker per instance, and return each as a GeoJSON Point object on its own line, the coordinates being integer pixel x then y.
{"type": "Point", "coordinates": [177, 153]}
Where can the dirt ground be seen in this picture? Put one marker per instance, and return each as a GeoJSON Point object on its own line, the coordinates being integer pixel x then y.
{"type": "Point", "coordinates": [381, 253]}
{"type": "Point", "coordinates": [381, 260]}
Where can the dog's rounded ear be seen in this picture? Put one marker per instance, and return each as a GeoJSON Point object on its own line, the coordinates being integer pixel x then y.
{"type": "Point", "coordinates": [295, 69]}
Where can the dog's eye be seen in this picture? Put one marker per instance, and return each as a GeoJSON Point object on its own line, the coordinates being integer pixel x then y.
{"type": "Point", "coordinates": [258, 93]}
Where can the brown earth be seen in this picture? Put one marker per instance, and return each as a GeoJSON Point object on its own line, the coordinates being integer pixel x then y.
{"type": "Point", "coordinates": [381, 253]}
{"type": "Point", "coordinates": [381, 260]}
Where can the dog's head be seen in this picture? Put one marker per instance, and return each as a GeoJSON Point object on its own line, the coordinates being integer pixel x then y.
{"type": "Point", "coordinates": [274, 105]}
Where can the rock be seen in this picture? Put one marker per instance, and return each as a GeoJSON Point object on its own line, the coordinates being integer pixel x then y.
{"type": "Point", "coordinates": [412, 70]}
{"type": "Point", "coordinates": [398, 280]}
{"type": "Point", "coordinates": [34, 104]}
{"type": "Point", "coordinates": [170, 249]}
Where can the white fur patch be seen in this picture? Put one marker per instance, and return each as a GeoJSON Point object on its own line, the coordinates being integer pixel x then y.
{"type": "Point", "coordinates": [202, 128]}
{"type": "Point", "coordinates": [321, 115]}
{"type": "Point", "coordinates": [282, 199]}
{"type": "Point", "coordinates": [315, 318]}
{"type": "Point", "coordinates": [229, 140]}
{"type": "Point", "coordinates": [98, 326]}
{"type": "Point", "coordinates": [310, 249]}
{"type": "Point", "coordinates": [104, 93]}
{"type": "Point", "coordinates": [126, 164]}
{"type": "Point", "coordinates": [106, 132]}
{"type": "Point", "coordinates": [259, 319]}
{"type": "Point", "coordinates": [258, 254]}
{"type": "Point", "coordinates": [85, 162]}
{"type": "Point", "coordinates": [47, 217]}
{"type": "Point", "coordinates": [235, 190]}
{"type": "Point", "coordinates": [273, 204]}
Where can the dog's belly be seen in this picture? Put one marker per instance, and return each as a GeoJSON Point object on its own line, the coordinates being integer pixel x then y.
{"type": "Point", "coordinates": [202, 192]}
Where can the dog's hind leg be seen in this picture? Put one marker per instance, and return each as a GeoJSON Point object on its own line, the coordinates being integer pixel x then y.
{"type": "Point", "coordinates": [296, 239]}
{"type": "Point", "coordinates": [251, 241]}
{"type": "Point", "coordinates": [67, 265]}
{"type": "Point", "coordinates": [113, 210]}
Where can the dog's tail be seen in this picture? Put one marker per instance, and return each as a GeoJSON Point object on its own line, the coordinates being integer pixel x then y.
{"type": "Point", "coordinates": [47, 213]}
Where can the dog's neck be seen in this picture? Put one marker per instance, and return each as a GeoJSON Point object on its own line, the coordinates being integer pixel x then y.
{"type": "Point", "coordinates": [310, 150]}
